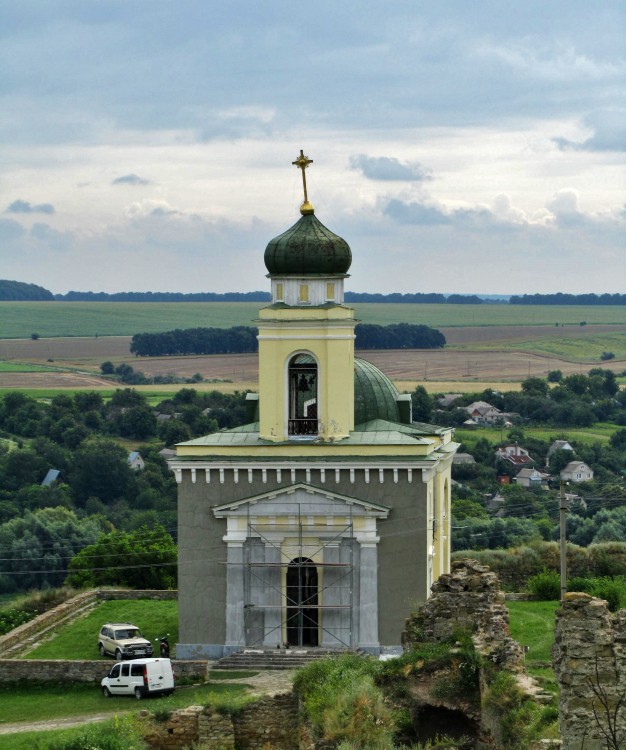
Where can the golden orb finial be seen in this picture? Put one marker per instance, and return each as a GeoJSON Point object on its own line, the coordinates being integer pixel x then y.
{"type": "Point", "coordinates": [302, 162]}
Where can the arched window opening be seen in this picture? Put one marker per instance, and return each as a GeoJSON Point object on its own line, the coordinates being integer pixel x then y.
{"type": "Point", "coordinates": [303, 396]}
{"type": "Point", "coordinates": [302, 610]}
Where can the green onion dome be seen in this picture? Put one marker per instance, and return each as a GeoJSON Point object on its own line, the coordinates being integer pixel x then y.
{"type": "Point", "coordinates": [308, 248]}
{"type": "Point", "coordinates": [375, 396]}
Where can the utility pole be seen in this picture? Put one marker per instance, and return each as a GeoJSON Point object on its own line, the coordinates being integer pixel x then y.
{"type": "Point", "coordinates": [563, 541]}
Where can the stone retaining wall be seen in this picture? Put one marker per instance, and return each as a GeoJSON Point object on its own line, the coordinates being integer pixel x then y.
{"type": "Point", "coordinates": [57, 670]}
{"type": "Point", "coordinates": [589, 657]}
{"type": "Point", "coordinates": [268, 724]}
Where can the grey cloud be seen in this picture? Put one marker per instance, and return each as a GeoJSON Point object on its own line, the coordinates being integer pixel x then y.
{"type": "Point", "coordinates": [24, 207]}
{"type": "Point", "coordinates": [52, 238]}
{"type": "Point", "coordinates": [11, 230]}
{"type": "Point", "coordinates": [130, 179]}
{"type": "Point", "coordinates": [163, 212]}
{"type": "Point", "coordinates": [415, 213]}
{"type": "Point", "coordinates": [389, 168]}
{"type": "Point", "coordinates": [609, 126]}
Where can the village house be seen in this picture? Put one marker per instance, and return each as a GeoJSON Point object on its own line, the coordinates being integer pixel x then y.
{"type": "Point", "coordinates": [576, 471]}
{"type": "Point", "coordinates": [514, 454]}
{"type": "Point", "coordinates": [530, 478]}
{"type": "Point", "coordinates": [557, 445]}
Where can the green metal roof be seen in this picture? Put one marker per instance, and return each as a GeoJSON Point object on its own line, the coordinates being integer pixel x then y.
{"type": "Point", "coordinates": [376, 432]}
{"type": "Point", "coordinates": [375, 396]}
{"type": "Point", "coordinates": [308, 248]}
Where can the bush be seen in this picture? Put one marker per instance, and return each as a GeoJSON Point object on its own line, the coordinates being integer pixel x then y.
{"type": "Point", "coordinates": [342, 702]}
{"type": "Point", "coordinates": [546, 585]}
{"type": "Point", "coordinates": [119, 734]}
{"type": "Point", "coordinates": [521, 720]}
{"type": "Point", "coordinates": [612, 590]}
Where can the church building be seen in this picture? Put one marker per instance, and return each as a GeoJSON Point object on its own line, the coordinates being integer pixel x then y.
{"type": "Point", "coordinates": [326, 518]}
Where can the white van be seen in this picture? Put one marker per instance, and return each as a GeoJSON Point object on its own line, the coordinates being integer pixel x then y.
{"type": "Point", "coordinates": [139, 677]}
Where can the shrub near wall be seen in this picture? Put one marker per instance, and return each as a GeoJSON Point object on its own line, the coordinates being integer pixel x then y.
{"type": "Point", "coordinates": [516, 565]}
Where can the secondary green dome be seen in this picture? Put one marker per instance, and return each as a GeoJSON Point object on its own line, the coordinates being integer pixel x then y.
{"type": "Point", "coordinates": [375, 396]}
{"type": "Point", "coordinates": [308, 248]}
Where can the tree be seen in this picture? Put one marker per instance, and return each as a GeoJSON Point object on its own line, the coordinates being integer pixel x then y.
{"type": "Point", "coordinates": [618, 440]}
{"type": "Point", "coordinates": [141, 559]}
{"type": "Point", "coordinates": [38, 546]}
{"type": "Point", "coordinates": [535, 387]}
{"type": "Point", "coordinates": [107, 368]}
{"type": "Point", "coordinates": [101, 470]}
{"type": "Point", "coordinates": [174, 431]}
{"type": "Point", "coordinates": [555, 376]}
{"type": "Point", "coordinates": [422, 404]}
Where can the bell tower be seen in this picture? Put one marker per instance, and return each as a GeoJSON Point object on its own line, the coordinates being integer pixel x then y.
{"type": "Point", "coordinates": [306, 334]}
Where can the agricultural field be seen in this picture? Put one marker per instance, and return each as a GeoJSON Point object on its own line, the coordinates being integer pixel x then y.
{"type": "Point", "coordinates": [494, 346]}
{"type": "Point", "coordinates": [54, 319]}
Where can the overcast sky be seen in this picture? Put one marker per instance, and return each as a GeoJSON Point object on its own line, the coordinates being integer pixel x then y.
{"type": "Point", "coordinates": [473, 147]}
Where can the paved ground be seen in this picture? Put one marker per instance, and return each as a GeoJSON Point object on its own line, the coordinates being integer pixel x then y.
{"type": "Point", "coordinates": [268, 682]}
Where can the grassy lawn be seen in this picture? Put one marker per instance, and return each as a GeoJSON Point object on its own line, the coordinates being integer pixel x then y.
{"type": "Point", "coordinates": [46, 702]}
{"type": "Point", "coordinates": [79, 640]}
{"type": "Point", "coordinates": [532, 625]}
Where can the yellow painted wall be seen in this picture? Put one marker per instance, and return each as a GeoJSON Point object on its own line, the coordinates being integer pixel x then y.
{"type": "Point", "coordinates": [331, 342]}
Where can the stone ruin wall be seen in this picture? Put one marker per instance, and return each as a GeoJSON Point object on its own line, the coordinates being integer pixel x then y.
{"type": "Point", "coordinates": [268, 723]}
{"type": "Point", "coordinates": [468, 598]}
{"type": "Point", "coordinates": [590, 652]}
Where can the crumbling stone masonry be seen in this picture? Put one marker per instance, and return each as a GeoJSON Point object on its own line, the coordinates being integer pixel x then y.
{"type": "Point", "coordinates": [270, 723]}
{"type": "Point", "coordinates": [468, 598]}
{"type": "Point", "coordinates": [589, 657]}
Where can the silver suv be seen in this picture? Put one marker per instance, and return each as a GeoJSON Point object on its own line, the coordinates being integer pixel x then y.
{"type": "Point", "coordinates": [123, 641]}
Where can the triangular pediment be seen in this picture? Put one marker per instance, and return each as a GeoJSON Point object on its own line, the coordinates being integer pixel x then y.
{"type": "Point", "coordinates": [301, 499]}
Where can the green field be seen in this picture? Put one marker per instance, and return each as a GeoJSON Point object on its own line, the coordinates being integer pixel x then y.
{"type": "Point", "coordinates": [600, 433]}
{"type": "Point", "coordinates": [53, 319]}
{"type": "Point", "coordinates": [19, 367]}
{"type": "Point", "coordinates": [588, 348]}
{"type": "Point", "coordinates": [80, 639]}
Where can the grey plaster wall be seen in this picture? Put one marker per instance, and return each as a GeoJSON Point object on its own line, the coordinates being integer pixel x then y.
{"type": "Point", "coordinates": [402, 551]}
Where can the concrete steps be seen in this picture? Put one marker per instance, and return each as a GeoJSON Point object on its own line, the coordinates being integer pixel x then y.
{"type": "Point", "coordinates": [274, 658]}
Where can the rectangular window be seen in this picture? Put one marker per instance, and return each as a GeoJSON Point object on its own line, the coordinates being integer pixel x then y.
{"type": "Point", "coordinates": [304, 292]}
{"type": "Point", "coordinates": [330, 291]}
{"type": "Point", "coordinates": [279, 292]}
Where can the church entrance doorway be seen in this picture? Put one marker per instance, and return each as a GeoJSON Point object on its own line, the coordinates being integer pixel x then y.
{"type": "Point", "coordinates": [302, 603]}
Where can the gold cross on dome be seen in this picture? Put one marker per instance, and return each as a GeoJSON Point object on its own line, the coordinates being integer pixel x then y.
{"type": "Point", "coordinates": [302, 162]}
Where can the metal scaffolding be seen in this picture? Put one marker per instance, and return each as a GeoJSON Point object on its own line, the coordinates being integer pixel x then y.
{"type": "Point", "coordinates": [291, 598]}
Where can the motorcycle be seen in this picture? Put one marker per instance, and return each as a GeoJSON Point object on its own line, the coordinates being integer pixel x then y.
{"type": "Point", "coordinates": [164, 646]}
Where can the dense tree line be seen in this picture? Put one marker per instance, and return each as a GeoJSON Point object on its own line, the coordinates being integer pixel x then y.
{"type": "Point", "coordinates": [18, 291]}
{"type": "Point", "coordinates": [242, 339]}
{"type": "Point", "coordinates": [163, 297]}
{"type": "Point", "coordinates": [236, 340]}
{"type": "Point", "coordinates": [398, 336]}
{"type": "Point", "coordinates": [576, 401]}
{"type": "Point", "coordinates": [568, 299]}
